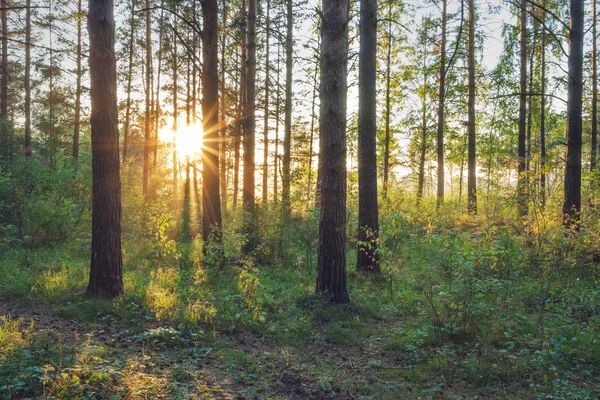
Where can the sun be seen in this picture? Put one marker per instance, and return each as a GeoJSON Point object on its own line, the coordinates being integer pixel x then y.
{"type": "Point", "coordinates": [188, 140]}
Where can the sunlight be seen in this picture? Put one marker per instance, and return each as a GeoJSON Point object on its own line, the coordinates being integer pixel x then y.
{"type": "Point", "coordinates": [189, 139]}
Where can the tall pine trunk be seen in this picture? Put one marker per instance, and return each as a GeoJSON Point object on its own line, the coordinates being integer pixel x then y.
{"type": "Point", "coordinates": [106, 267]}
{"type": "Point", "coordinates": [211, 201]}
{"type": "Point", "coordinates": [522, 181]}
{"type": "Point", "coordinates": [78, 86]}
{"type": "Point", "coordinates": [441, 104]}
{"type": "Point", "coordinates": [594, 152]}
{"type": "Point", "coordinates": [543, 115]}
{"type": "Point", "coordinates": [249, 134]}
{"type": "Point", "coordinates": [265, 169]}
{"type": "Point", "coordinates": [223, 123]}
{"type": "Point", "coordinates": [331, 276]}
{"type": "Point", "coordinates": [572, 183]}
{"type": "Point", "coordinates": [287, 137]}
{"type": "Point", "coordinates": [472, 173]}
{"type": "Point", "coordinates": [27, 82]}
{"type": "Point", "coordinates": [368, 210]}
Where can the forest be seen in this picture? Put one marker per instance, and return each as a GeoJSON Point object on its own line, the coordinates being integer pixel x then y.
{"type": "Point", "coordinates": [299, 199]}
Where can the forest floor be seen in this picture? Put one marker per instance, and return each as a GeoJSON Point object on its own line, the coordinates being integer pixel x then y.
{"type": "Point", "coordinates": [457, 314]}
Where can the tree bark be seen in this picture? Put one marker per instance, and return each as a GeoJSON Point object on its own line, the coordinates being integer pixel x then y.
{"type": "Point", "coordinates": [175, 110]}
{"type": "Point", "coordinates": [287, 137]}
{"type": "Point", "coordinates": [223, 124]}
{"type": "Point", "coordinates": [27, 82]}
{"type": "Point", "coordinates": [472, 173]}
{"type": "Point", "coordinates": [78, 86]}
{"type": "Point", "coordinates": [106, 267]}
{"type": "Point", "coordinates": [522, 181]}
{"type": "Point", "coordinates": [147, 131]}
{"type": "Point", "coordinates": [331, 276]}
{"type": "Point", "coordinates": [157, 110]}
{"type": "Point", "coordinates": [250, 222]}
{"type": "Point", "coordinates": [265, 169]}
{"type": "Point", "coordinates": [277, 113]}
{"type": "Point", "coordinates": [368, 211]}
{"type": "Point", "coordinates": [211, 201]}
{"type": "Point", "coordinates": [594, 144]}
{"type": "Point", "coordinates": [441, 182]}
{"type": "Point", "coordinates": [572, 185]}
{"type": "Point", "coordinates": [4, 72]}
{"type": "Point", "coordinates": [543, 115]}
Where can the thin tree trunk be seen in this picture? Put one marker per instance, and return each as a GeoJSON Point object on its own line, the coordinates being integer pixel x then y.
{"type": "Point", "coordinates": [157, 111]}
{"type": "Point", "coordinates": [265, 171]}
{"type": "Point", "coordinates": [287, 138]}
{"type": "Point", "coordinates": [4, 72]}
{"type": "Point", "coordinates": [211, 201]}
{"type": "Point", "coordinates": [312, 129]}
{"type": "Point", "coordinates": [106, 267]}
{"type": "Point", "coordinates": [331, 276]}
{"type": "Point", "coordinates": [239, 124]}
{"type": "Point", "coordinates": [441, 104]}
{"type": "Point", "coordinates": [52, 132]}
{"type": "Point", "coordinates": [543, 116]}
{"type": "Point", "coordinates": [388, 108]}
{"type": "Point", "coordinates": [27, 83]}
{"type": "Point", "coordinates": [572, 185]}
{"type": "Point", "coordinates": [223, 123]}
{"type": "Point", "coordinates": [368, 211]}
{"type": "Point", "coordinates": [472, 173]}
{"type": "Point", "coordinates": [175, 110]}
{"type": "Point", "coordinates": [147, 131]}
{"type": "Point", "coordinates": [522, 184]}
{"type": "Point", "coordinates": [277, 112]}
{"type": "Point", "coordinates": [594, 155]}
{"type": "Point", "coordinates": [249, 134]}
{"type": "Point", "coordinates": [78, 84]}
{"type": "Point", "coordinates": [127, 126]}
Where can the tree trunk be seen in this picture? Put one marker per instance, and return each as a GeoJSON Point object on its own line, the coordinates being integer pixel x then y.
{"type": "Point", "coordinates": [211, 199]}
{"type": "Point", "coordinates": [472, 174]}
{"type": "Point", "coordinates": [249, 134]}
{"type": "Point", "coordinates": [368, 211]}
{"type": "Point", "coordinates": [127, 126]}
{"type": "Point", "coordinates": [331, 277]}
{"type": "Point", "coordinates": [543, 115]}
{"type": "Point", "coordinates": [388, 107]}
{"type": "Point", "coordinates": [572, 186]}
{"type": "Point", "coordinates": [147, 132]}
{"type": "Point", "coordinates": [522, 181]}
{"type": "Point", "coordinates": [4, 72]}
{"type": "Point", "coordinates": [157, 110]}
{"type": "Point", "coordinates": [277, 112]}
{"type": "Point", "coordinates": [441, 104]}
{"type": "Point", "coordinates": [78, 85]}
{"type": "Point", "coordinates": [27, 83]}
{"type": "Point", "coordinates": [106, 259]}
{"type": "Point", "coordinates": [594, 155]}
{"type": "Point", "coordinates": [287, 137]}
{"type": "Point", "coordinates": [223, 124]}
{"type": "Point", "coordinates": [240, 123]}
{"type": "Point", "coordinates": [265, 172]}
{"type": "Point", "coordinates": [51, 130]}
{"type": "Point", "coordinates": [312, 129]}
{"type": "Point", "coordinates": [175, 110]}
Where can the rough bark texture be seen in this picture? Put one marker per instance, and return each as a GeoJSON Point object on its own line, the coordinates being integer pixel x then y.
{"type": "Point", "coordinates": [211, 200]}
{"type": "Point", "coordinates": [572, 187]}
{"type": "Point", "coordinates": [250, 133]}
{"type": "Point", "coordinates": [106, 260]}
{"type": "Point", "coordinates": [223, 123]}
{"type": "Point", "coordinates": [287, 137]}
{"type": "Point", "coordinates": [147, 133]}
{"type": "Point", "coordinates": [331, 277]}
{"type": "Point", "coordinates": [472, 175]}
{"type": "Point", "coordinates": [543, 116]}
{"type": "Point", "coordinates": [368, 210]}
{"type": "Point", "coordinates": [441, 182]}
{"type": "Point", "coordinates": [388, 105]}
{"type": "Point", "coordinates": [265, 169]}
{"type": "Point", "coordinates": [4, 72]}
{"type": "Point", "coordinates": [522, 181]}
{"type": "Point", "coordinates": [27, 82]}
{"type": "Point", "coordinates": [594, 144]}
{"type": "Point", "coordinates": [78, 86]}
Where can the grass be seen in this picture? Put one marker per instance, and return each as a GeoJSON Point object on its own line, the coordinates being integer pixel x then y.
{"type": "Point", "coordinates": [462, 309]}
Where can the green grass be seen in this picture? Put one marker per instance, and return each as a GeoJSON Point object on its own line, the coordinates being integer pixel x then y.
{"type": "Point", "coordinates": [457, 312]}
